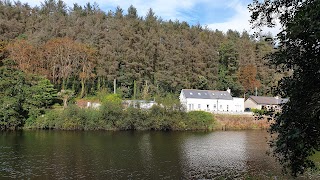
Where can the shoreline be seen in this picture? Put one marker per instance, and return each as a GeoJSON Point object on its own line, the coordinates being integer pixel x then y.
{"type": "Point", "coordinates": [240, 122]}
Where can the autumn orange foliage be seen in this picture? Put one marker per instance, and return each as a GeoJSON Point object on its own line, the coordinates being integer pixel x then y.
{"type": "Point", "coordinates": [247, 77]}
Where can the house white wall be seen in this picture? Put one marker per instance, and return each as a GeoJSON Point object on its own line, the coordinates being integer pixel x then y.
{"type": "Point", "coordinates": [183, 100]}
{"type": "Point", "coordinates": [193, 104]}
{"type": "Point", "coordinates": [223, 105]}
{"type": "Point", "coordinates": [235, 105]}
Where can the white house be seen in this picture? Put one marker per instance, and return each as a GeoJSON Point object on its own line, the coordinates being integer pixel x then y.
{"type": "Point", "coordinates": [211, 101]}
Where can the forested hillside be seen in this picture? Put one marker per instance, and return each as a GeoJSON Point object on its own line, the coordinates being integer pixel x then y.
{"type": "Point", "coordinates": [84, 49]}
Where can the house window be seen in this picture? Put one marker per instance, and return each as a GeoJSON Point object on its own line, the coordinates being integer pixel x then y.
{"type": "Point", "coordinates": [208, 107]}
{"type": "Point", "coordinates": [192, 107]}
{"type": "Point", "coordinates": [199, 106]}
{"type": "Point", "coordinates": [189, 107]}
{"type": "Point", "coordinates": [220, 106]}
{"type": "Point", "coordinates": [215, 106]}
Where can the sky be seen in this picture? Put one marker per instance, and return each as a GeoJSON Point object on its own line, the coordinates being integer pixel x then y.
{"type": "Point", "coordinates": [214, 14]}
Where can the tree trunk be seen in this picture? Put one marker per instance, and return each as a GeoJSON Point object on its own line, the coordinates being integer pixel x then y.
{"type": "Point", "coordinates": [63, 83]}
{"type": "Point", "coordinates": [82, 87]}
{"type": "Point", "coordinates": [134, 90]}
{"type": "Point", "coordinates": [99, 83]}
{"type": "Point", "coordinates": [65, 99]}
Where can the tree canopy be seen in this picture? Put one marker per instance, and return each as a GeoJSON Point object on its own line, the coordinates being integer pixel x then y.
{"type": "Point", "coordinates": [298, 126]}
{"type": "Point", "coordinates": [83, 48]}
{"type": "Point", "coordinates": [22, 97]}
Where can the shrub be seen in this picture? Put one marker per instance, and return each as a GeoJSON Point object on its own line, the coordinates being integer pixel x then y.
{"type": "Point", "coordinates": [111, 112]}
{"type": "Point", "coordinates": [199, 120]}
{"type": "Point", "coordinates": [112, 116]}
{"type": "Point", "coordinates": [136, 119]}
{"type": "Point", "coordinates": [259, 111]}
{"type": "Point", "coordinates": [50, 120]}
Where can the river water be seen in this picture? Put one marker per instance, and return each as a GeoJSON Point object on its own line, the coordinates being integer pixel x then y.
{"type": "Point", "coordinates": [136, 155]}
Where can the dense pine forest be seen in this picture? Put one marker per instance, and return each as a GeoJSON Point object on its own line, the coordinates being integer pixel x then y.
{"type": "Point", "coordinates": [83, 49]}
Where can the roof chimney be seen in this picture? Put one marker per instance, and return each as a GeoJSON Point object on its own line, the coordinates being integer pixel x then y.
{"type": "Point", "coordinates": [229, 91]}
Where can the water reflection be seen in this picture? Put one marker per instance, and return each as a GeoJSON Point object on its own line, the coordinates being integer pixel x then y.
{"type": "Point", "coordinates": [220, 154]}
{"type": "Point", "coordinates": [145, 148]}
{"type": "Point", "coordinates": [258, 163]}
{"type": "Point", "coordinates": [135, 155]}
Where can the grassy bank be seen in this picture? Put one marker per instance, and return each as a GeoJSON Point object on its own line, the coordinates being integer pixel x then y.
{"type": "Point", "coordinates": [316, 159]}
{"type": "Point", "coordinates": [315, 174]}
{"type": "Point", "coordinates": [239, 122]}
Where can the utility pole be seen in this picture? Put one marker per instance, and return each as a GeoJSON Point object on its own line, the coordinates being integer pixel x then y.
{"type": "Point", "coordinates": [114, 86]}
{"type": "Point", "coordinates": [134, 89]}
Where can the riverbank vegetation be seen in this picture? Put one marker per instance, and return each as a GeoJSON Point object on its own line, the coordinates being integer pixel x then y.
{"type": "Point", "coordinates": [240, 122]}
{"type": "Point", "coordinates": [30, 101]}
{"type": "Point", "coordinates": [113, 116]}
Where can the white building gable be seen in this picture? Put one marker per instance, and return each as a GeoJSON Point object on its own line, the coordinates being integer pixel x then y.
{"type": "Point", "coordinates": [211, 101]}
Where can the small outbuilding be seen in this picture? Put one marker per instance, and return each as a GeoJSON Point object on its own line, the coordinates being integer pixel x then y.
{"type": "Point", "coordinates": [82, 103]}
{"type": "Point", "coordinates": [141, 104]}
{"type": "Point", "coordinates": [264, 102]}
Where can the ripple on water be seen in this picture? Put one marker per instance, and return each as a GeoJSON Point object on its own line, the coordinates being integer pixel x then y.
{"type": "Point", "coordinates": [141, 155]}
{"type": "Point", "coordinates": [219, 154]}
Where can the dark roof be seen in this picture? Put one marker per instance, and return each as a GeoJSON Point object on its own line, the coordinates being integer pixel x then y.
{"type": "Point", "coordinates": [268, 100]}
{"type": "Point", "coordinates": [206, 94]}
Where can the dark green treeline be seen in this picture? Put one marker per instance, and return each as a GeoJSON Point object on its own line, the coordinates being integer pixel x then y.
{"type": "Point", "coordinates": [146, 55]}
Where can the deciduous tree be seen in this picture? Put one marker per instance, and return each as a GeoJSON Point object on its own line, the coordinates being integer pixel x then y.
{"type": "Point", "coordinates": [247, 77]}
{"type": "Point", "coordinates": [298, 126]}
{"type": "Point", "coordinates": [26, 56]}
